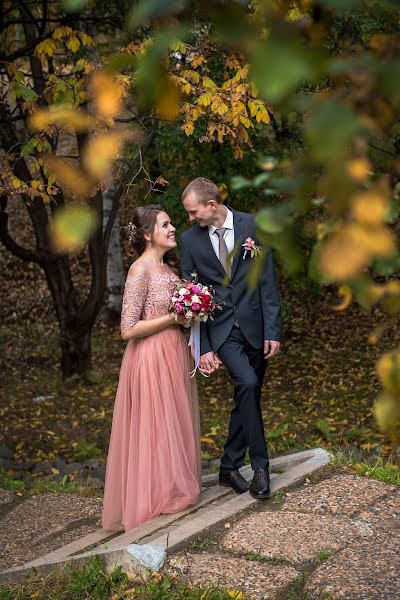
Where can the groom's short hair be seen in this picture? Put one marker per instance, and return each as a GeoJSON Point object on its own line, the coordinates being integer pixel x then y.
{"type": "Point", "coordinates": [205, 190]}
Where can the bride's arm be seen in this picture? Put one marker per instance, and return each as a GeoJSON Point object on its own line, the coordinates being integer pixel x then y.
{"type": "Point", "coordinates": [132, 327]}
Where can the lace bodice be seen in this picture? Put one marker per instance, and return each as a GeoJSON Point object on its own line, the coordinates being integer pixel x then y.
{"type": "Point", "coordinates": [146, 296]}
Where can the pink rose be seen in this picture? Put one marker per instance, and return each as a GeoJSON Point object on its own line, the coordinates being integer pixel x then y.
{"type": "Point", "coordinates": [196, 306]}
{"type": "Point", "coordinates": [196, 289]}
{"type": "Point", "coordinates": [178, 307]}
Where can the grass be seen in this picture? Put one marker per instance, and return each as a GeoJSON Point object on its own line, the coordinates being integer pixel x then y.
{"type": "Point", "coordinates": [203, 543]}
{"type": "Point", "coordinates": [324, 555]}
{"type": "Point", "coordinates": [93, 583]}
{"type": "Point", "coordinates": [85, 450]}
{"type": "Point", "coordinates": [271, 560]}
{"type": "Point", "coordinates": [295, 590]}
{"type": "Point", "coordinates": [387, 472]}
{"type": "Point", "coordinates": [43, 486]}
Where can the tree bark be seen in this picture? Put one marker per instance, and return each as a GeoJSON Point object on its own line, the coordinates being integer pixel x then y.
{"type": "Point", "coordinates": [115, 266]}
{"type": "Point", "coordinates": [76, 349]}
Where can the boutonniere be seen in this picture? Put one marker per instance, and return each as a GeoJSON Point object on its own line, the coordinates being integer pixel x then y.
{"type": "Point", "coordinates": [251, 247]}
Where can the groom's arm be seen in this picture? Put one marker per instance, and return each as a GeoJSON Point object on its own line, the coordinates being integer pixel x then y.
{"type": "Point", "coordinates": [270, 299]}
{"type": "Point", "coordinates": [188, 267]}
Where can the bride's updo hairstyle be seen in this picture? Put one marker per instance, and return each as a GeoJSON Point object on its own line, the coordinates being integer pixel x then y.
{"type": "Point", "coordinates": [143, 221]}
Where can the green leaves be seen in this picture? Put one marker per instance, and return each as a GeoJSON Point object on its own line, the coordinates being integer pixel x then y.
{"type": "Point", "coordinates": [72, 226]}
{"type": "Point", "coordinates": [280, 65]}
{"type": "Point", "coordinates": [273, 219]}
{"type": "Point", "coordinates": [330, 129]}
{"type": "Point", "coordinates": [154, 9]}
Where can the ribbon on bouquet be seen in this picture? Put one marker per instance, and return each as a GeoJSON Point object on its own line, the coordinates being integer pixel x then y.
{"type": "Point", "coordinates": [194, 344]}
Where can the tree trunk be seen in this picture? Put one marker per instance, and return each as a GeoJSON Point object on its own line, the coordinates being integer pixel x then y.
{"type": "Point", "coordinates": [115, 267]}
{"type": "Point", "coordinates": [76, 349]}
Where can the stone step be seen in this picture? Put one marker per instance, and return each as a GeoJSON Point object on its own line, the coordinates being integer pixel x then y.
{"type": "Point", "coordinates": [173, 532]}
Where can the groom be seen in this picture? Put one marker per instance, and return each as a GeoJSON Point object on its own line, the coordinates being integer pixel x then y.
{"type": "Point", "coordinates": [245, 334]}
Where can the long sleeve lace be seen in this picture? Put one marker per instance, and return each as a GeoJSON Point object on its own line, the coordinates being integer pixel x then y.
{"type": "Point", "coordinates": [133, 301]}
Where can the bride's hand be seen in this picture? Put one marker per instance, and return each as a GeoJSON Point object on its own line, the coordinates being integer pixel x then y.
{"type": "Point", "coordinates": [180, 320]}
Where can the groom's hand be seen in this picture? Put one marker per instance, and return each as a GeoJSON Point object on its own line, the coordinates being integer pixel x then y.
{"type": "Point", "coordinates": [209, 362]}
{"type": "Point", "coordinates": [271, 348]}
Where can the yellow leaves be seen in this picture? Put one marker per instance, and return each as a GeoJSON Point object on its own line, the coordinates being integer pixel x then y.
{"type": "Point", "coordinates": [62, 116]}
{"type": "Point", "coordinates": [245, 121]}
{"type": "Point", "coordinates": [236, 594]}
{"type": "Point", "coordinates": [209, 84]}
{"type": "Point", "coordinates": [16, 183]}
{"type": "Point", "coordinates": [263, 117]}
{"type": "Point", "coordinates": [107, 92]}
{"type": "Point", "coordinates": [62, 32]}
{"type": "Point", "coordinates": [46, 48]}
{"type": "Point", "coordinates": [369, 208]}
{"type": "Point", "coordinates": [204, 99]}
{"type": "Point", "coordinates": [73, 44]}
{"type": "Point", "coordinates": [388, 369]}
{"type": "Point", "coordinates": [71, 227]}
{"type": "Point", "coordinates": [188, 128]}
{"type": "Point", "coordinates": [387, 414]}
{"type": "Point", "coordinates": [86, 39]}
{"type": "Point", "coordinates": [347, 251]}
{"type": "Point", "coordinates": [358, 169]}
{"type": "Point", "coordinates": [207, 440]}
{"type": "Point", "coordinates": [69, 175]}
{"type": "Point", "coordinates": [101, 151]}
{"type": "Point", "coordinates": [253, 107]}
{"type": "Point", "coordinates": [223, 191]}
{"type": "Point", "coordinates": [346, 294]}
{"type": "Point", "coordinates": [198, 60]}
{"type": "Point", "coordinates": [259, 111]}
{"type": "Point", "coordinates": [219, 107]}
{"type": "Point", "coordinates": [191, 75]}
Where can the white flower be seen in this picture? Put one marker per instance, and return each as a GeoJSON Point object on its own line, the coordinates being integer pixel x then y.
{"type": "Point", "coordinates": [196, 299]}
{"type": "Point", "coordinates": [182, 292]}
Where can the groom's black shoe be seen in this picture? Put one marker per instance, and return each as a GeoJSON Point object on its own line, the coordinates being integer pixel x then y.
{"type": "Point", "coordinates": [260, 485]}
{"type": "Point", "coordinates": [234, 480]}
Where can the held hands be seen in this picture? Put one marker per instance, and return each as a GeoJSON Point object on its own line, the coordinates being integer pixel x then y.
{"type": "Point", "coordinates": [209, 363]}
{"type": "Point", "coordinates": [271, 348]}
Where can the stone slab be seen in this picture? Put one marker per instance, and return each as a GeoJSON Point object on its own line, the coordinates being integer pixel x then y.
{"type": "Point", "coordinates": [368, 570]}
{"type": "Point", "coordinates": [295, 537]}
{"type": "Point", "coordinates": [146, 529]}
{"type": "Point", "coordinates": [384, 515]}
{"type": "Point", "coordinates": [260, 581]}
{"type": "Point", "coordinates": [44, 523]}
{"type": "Point", "coordinates": [74, 547]}
{"type": "Point", "coordinates": [345, 494]}
{"type": "Point", "coordinates": [6, 497]}
{"type": "Point", "coordinates": [206, 518]}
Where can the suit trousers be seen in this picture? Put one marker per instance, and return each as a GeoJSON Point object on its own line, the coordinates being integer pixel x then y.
{"type": "Point", "coordinates": [246, 366]}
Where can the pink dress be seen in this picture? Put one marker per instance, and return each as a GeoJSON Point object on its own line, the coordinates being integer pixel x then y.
{"type": "Point", "coordinates": [153, 463]}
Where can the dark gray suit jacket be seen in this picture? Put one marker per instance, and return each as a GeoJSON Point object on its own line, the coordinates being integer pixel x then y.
{"type": "Point", "coordinates": [256, 311]}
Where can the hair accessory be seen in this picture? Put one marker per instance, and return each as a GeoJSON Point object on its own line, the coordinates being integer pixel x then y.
{"type": "Point", "coordinates": [131, 226]}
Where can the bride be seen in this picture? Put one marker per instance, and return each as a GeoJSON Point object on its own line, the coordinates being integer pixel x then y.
{"type": "Point", "coordinates": [153, 463]}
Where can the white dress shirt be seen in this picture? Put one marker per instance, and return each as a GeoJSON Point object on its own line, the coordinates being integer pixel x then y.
{"type": "Point", "coordinates": [229, 235]}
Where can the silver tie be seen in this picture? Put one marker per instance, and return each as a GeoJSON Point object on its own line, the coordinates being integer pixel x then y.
{"type": "Point", "coordinates": [223, 253]}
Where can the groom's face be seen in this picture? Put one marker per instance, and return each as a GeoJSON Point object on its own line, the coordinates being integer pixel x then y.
{"type": "Point", "coordinates": [203, 214]}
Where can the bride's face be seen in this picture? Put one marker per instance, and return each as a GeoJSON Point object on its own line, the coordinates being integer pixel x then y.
{"type": "Point", "coordinates": [164, 232]}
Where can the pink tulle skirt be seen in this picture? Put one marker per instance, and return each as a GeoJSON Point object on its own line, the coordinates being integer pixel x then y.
{"type": "Point", "coordinates": [153, 463]}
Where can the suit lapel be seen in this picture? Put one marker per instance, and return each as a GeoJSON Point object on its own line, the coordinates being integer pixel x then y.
{"type": "Point", "coordinates": [238, 227]}
{"type": "Point", "coordinates": [206, 242]}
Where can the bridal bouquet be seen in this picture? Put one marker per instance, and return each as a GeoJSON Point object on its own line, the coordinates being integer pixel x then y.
{"type": "Point", "coordinates": [195, 302]}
